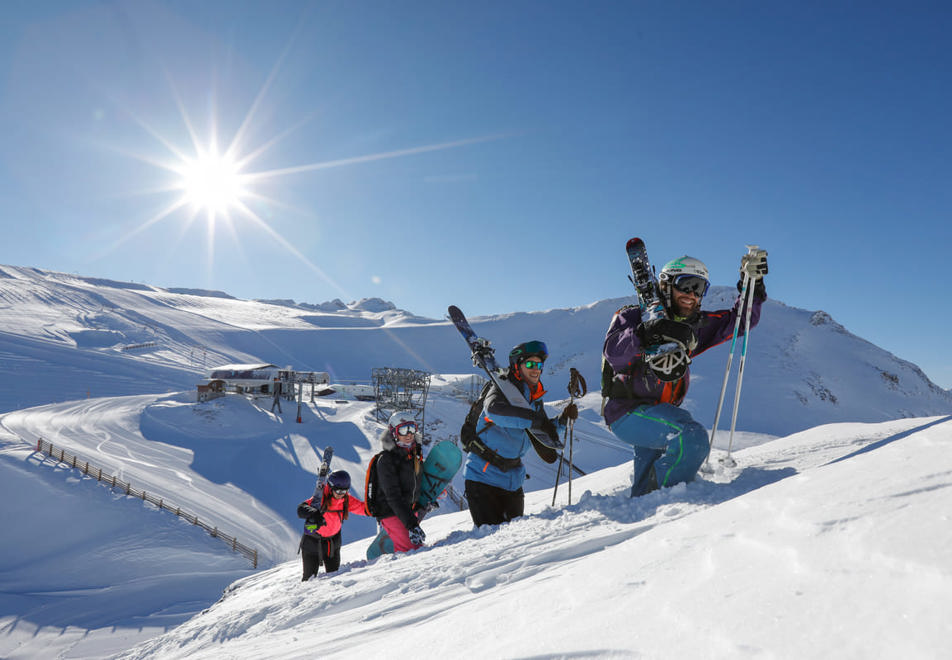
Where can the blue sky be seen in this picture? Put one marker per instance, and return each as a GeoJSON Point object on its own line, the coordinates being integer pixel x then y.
{"type": "Point", "coordinates": [494, 155]}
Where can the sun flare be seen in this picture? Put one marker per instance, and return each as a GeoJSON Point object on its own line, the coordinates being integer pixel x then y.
{"type": "Point", "coordinates": [212, 183]}
{"type": "Point", "coordinates": [224, 190]}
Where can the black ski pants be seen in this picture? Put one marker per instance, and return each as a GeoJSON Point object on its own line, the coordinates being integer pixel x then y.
{"type": "Point", "coordinates": [489, 505]}
{"type": "Point", "coordinates": [318, 550]}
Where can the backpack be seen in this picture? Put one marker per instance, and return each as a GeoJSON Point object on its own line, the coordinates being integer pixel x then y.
{"type": "Point", "coordinates": [468, 436]}
{"type": "Point", "coordinates": [371, 496]}
{"type": "Point", "coordinates": [612, 387]}
{"type": "Point", "coordinates": [373, 500]}
{"type": "Point", "coordinates": [472, 443]}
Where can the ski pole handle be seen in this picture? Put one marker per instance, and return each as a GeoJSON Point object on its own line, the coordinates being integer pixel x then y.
{"type": "Point", "coordinates": [577, 387]}
{"type": "Point", "coordinates": [754, 263]}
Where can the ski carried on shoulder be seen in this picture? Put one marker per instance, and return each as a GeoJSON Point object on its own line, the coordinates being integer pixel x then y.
{"type": "Point", "coordinates": [484, 357]}
{"type": "Point", "coordinates": [670, 358]}
{"type": "Point", "coordinates": [324, 471]}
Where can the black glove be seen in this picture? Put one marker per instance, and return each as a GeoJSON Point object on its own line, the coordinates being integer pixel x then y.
{"type": "Point", "coordinates": [417, 535]}
{"type": "Point", "coordinates": [662, 331]}
{"type": "Point", "coordinates": [542, 422]}
{"type": "Point", "coordinates": [432, 506]}
{"type": "Point", "coordinates": [311, 515]}
{"type": "Point", "coordinates": [570, 412]}
{"type": "Point", "coordinates": [307, 510]}
{"type": "Point", "coordinates": [760, 291]}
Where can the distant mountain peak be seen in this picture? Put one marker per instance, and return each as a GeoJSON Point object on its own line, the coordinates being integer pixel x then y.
{"type": "Point", "coordinates": [373, 305]}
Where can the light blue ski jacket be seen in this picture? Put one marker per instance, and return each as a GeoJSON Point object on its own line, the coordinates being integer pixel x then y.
{"type": "Point", "coordinates": [506, 435]}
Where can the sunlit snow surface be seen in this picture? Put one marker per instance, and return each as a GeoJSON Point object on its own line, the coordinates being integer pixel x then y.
{"type": "Point", "coordinates": [830, 541]}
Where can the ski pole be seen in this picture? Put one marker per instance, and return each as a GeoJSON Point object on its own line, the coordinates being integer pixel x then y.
{"type": "Point", "coordinates": [558, 471]}
{"type": "Point", "coordinates": [727, 371]}
{"type": "Point", "coordinates": [747, 282]}
{"type": "Point", "coordinates": [577, 387]}
{"type": "Point", "coordinates": [740, 374]}
{"type": "Point", "coordinates": [570, 429]}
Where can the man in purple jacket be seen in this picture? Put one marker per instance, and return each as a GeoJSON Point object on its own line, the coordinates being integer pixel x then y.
{"type": "Point", "coordinates": [642, 410]}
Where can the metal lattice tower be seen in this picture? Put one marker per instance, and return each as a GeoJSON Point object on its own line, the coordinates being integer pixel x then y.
{"type": "Point", "coordinates": [476, 384]}
{"type": "Point", "coordinates": [401, 389]}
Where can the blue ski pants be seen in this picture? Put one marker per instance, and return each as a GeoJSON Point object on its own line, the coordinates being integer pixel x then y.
{"type": "Point", "coordinates": [669, 445]}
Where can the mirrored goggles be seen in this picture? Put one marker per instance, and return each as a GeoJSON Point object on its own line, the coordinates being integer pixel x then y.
{"type": "Point", "coordinates": [691, 284]}
{"type": "Point", "coordinates": [533, 364]}
{"type": "Point", "coordinates": [406, 428]}
{"type": "Point", "coordinates": [339, 492]}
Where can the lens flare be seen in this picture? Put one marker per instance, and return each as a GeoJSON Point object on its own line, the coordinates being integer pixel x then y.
{"type": "Point", "coordinates": [212, 183]}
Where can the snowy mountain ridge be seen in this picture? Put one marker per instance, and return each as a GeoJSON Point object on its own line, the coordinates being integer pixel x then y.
{"type": "Point", "coordinates": [135, 338]}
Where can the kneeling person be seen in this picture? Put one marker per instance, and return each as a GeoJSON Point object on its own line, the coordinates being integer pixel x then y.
{"type": "Point", "coordinates": [644, 411]}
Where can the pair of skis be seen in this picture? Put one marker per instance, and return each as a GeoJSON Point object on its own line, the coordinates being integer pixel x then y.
{"type": "Point", "coordinates": [323, 473]}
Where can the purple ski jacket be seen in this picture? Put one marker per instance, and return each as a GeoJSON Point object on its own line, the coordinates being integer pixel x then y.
{"type": "Point", "coordinates": [634, 383]}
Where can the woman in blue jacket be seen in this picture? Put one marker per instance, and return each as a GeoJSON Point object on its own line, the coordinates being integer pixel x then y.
{"type": "Point", "coordinates": [494, 490]}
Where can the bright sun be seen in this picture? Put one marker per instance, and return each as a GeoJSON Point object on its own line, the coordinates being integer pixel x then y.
{"type": "Point", "coordinates": [212, 183]}
{"type": "Point", "coordinates": [219, 186]}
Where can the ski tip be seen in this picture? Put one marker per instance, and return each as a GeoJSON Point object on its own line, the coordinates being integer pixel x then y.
{"type": "Point", "coordinates": [634, 241]}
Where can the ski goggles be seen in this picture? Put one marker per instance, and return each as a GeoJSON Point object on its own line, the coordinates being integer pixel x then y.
{"type": "Point", "coordinates": [339, 492]}
{"type": "Point", "coordinates": [533, 364]}
{"type": "Point", "coordinates": [406, 428]}
{"type": "Point", "coordinates": [691, 284]}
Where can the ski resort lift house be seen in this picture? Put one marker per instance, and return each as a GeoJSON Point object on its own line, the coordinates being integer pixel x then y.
{"type": "Point", "coordinates": [257, 379]}
{"type": "Point", "coordinates": [213, 388]}
{"type": "Point", "coordinates": [249, 377]}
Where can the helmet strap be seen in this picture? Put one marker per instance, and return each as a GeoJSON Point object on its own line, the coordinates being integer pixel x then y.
{"type": "Point", "coordinates": [666, 297]}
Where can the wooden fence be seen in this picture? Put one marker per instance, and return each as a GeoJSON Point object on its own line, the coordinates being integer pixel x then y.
{"type": "Point", "coordinates": [74, 461]}
{"type": "Point", "coordinates": [136, 347]}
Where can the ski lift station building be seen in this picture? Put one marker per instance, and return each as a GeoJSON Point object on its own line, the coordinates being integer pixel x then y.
{"type": "Point", "coordinates": [260, 377]}
{"type": "Point", "coordinates": [246, 377]}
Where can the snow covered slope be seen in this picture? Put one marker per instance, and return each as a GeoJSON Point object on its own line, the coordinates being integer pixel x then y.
{"type": "Point", "coordinates": [84, 551]}
{"type": "Point", "coordinates": [67, 337]}
{"type": "Point", "coordinates": [817, 546]}
{"type": "Point", "coordinates": [802, 524]}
